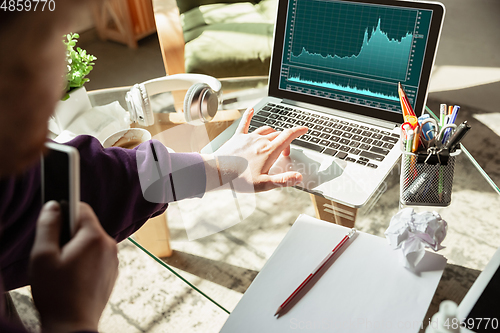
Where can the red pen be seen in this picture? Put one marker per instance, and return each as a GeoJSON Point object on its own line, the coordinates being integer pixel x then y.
{"type": "Point", "coordinates": [316, 270]}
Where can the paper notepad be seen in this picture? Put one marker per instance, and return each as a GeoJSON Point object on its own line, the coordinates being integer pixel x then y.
{"type": "Point", "coordinates": [364, 289]}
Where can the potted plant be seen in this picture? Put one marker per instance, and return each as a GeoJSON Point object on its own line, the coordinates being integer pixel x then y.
{"type": "Point", "coordinates": [75, 99]}
{"type": "Point", "coordinates": [79, 64]}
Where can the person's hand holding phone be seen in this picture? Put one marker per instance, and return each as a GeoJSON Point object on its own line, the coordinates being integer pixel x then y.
{"type": "Point", "coordinates": [71, 285]}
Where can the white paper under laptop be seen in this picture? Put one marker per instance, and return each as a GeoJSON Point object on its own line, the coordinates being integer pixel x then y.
{"type": "Point", "coordinates": [365, 289]}
{"type": "Point", "coordinates": [335, 69]}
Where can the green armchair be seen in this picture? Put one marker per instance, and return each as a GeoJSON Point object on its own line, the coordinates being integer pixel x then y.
{"type": "Point", "coordinates": [228, 39]}
{"type": "Point", "coordinates": [220, 38]}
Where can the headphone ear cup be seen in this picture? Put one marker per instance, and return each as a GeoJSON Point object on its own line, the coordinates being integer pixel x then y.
{"type": "Point", "coordinates": [188, 101]}
{"type": "Point", "coordinates": [139, 106]}
{"type": "Point", "coordinates": [147, 114]}
{"type": "Point", "coordinates": [200, 103]}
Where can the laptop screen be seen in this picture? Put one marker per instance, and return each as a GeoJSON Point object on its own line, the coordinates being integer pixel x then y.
{"type": "Point", "coordinates": [351, 55]}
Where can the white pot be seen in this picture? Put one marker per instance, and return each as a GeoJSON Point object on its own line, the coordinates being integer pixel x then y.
{"type": "Point", "coordinates": [66, 111]}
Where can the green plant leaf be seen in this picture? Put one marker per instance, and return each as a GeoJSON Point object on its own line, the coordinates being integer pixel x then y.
{"type": "Point", "coordinates": [79, 63]}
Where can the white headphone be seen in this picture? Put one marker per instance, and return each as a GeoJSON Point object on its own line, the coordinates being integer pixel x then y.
{"type": "Point", "coordinates": [200, 103]}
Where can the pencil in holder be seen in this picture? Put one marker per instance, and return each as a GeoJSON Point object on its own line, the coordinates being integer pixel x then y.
{"type": "Point", "coordinates": [427, 181]}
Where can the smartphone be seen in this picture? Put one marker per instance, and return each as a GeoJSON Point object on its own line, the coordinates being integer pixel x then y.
{"type": "Point", "coordinates": [61, 182]}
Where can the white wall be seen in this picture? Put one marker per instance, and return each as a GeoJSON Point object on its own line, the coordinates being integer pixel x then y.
{"type": "Point", "coordinates": [83, 20]}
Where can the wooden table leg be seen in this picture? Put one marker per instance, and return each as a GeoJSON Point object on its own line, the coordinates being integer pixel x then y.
{"type": "Point", "coordinates": [154, 236]}
{"type": "Point", "coordinates": [334, 212]}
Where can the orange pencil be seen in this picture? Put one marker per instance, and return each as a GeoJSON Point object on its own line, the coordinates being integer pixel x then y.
{"type": "Point", "coordinates": [401, 100]}
{"type": "Point", "coordinates": [407, 103]}
{"type": "Point", "coordinates": [450, 109]}
{"type": "Point", "coordinates": [404, 99]}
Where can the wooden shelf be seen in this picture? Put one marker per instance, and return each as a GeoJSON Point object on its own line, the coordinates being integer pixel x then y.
{"type": "Point", "coordinates": [123, 21]}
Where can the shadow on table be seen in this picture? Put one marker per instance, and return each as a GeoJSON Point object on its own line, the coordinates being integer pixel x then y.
{"type": "Point", "coordinates": [226, 275]}
{"type": "Point", "coordinates": [454, 284]}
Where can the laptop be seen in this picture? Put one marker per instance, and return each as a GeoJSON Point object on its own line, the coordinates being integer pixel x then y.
{"type": "Point", "coordinates": [335, 68]}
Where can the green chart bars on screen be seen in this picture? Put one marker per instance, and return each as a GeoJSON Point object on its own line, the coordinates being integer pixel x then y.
{"type": "Point", "coordinates": [378, 56]}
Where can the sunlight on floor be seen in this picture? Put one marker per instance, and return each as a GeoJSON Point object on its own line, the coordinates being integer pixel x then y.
{"type": "Point", "coordinates": [492, 120]}
{"type": "Point", "coordinates": [445, 78]}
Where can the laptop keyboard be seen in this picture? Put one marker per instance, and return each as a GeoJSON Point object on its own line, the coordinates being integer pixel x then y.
{"type": "Point", "coordinates": [348, 141]}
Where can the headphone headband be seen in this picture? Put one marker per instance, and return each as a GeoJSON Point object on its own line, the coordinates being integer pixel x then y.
{"type": "Point", "coordinates": [200, 104]}
{"type": "Point", "coordinates": [180, 82]}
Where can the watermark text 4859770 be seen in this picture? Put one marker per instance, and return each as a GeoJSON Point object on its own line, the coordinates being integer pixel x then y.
{"type": "Point", "coordinates": [27, 5]}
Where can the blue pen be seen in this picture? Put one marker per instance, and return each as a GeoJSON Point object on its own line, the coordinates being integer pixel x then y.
{"type": "Point", "coordinates": [428, 128]}
{"type": "Point", "coordinates": [452, 120]}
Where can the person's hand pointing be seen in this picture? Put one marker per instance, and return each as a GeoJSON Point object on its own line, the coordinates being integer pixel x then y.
{"type": "Point", "coordinates": [259, 150]}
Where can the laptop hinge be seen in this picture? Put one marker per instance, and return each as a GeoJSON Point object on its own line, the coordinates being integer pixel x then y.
{"type": "Point", "coordinates": [343, 114]}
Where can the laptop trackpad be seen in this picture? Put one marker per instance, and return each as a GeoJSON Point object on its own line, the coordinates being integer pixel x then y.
{"type": "Point", "coordinates": [315, 170]}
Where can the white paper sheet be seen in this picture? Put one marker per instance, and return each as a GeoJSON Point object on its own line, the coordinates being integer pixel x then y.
{"type": "Point", "coordinates": [364, 289]}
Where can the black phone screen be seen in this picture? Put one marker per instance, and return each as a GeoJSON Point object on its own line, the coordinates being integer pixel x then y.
{"type": "Point", "coordinates": [56, 186]}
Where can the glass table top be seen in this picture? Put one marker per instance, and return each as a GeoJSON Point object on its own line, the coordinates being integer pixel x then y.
{"type": "Point", "coordinates": [222, 266]}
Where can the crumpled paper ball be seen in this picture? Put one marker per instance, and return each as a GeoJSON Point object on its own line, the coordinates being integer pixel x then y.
{"type": "Point", "coordinates": [412, 233]}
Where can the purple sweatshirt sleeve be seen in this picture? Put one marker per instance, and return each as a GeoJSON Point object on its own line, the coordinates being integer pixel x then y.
{"type": "Point", "coordinates": [110, 184]}
{"type": "Point", "coordinates": [6, 327]}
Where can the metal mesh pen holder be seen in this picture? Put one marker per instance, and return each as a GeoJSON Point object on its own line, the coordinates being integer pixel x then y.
{"type": "Point", "coordinates": [427, 183]}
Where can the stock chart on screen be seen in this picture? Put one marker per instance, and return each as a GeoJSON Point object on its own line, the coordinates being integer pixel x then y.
{"type": "Point", "coordinates": [354, 52]}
